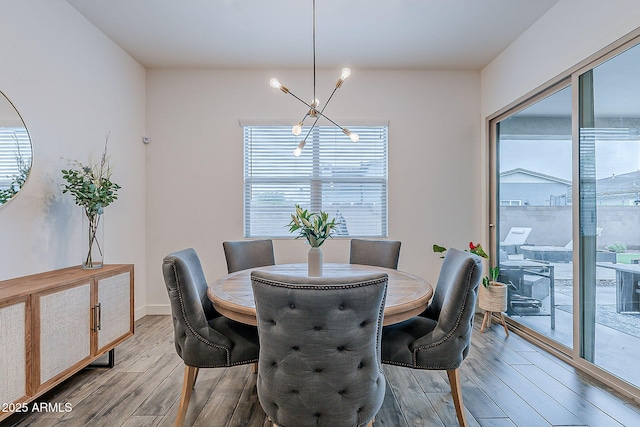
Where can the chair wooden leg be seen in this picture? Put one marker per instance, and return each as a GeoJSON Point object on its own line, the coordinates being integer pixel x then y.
{"type": "Point", "coordinates": [195, 377]}
{"type": "Point", "coordinates": [254, 367]}
{"type": "Point", "coordinates": [190, 373]}
{"type": "Point", "coordinates": [456, 393]}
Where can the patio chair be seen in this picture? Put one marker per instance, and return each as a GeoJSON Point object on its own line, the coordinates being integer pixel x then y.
{"type": "Point", "coordinates": [561, 253]}
{"type": "Point", "coordinates": [516, 237]}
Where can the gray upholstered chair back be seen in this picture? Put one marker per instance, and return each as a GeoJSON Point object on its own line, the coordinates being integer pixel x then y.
{"type": "Point", "coordinates": [320, 348]}
{"type": "Point", "coordinates": [440, 337]}
{"type": "Point", "coordinates": [380, 253]}
{"type": "Point", "coordinates": [248, 254]}
{"type": "Point", "coordinates": [203, 338]}
{"type": "Point", "coordinates": [453, 307]}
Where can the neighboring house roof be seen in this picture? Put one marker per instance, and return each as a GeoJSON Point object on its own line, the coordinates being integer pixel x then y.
{"type": "Point", "coordinates": [619, 185]}
{"type": "Point", "coordinates": [534, 176]}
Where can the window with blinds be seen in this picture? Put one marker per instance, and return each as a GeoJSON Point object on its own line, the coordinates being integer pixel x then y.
{"type": "Point", "coordinates": [15, 155]}
{"type": "Point", "coordinates": [345, 179]}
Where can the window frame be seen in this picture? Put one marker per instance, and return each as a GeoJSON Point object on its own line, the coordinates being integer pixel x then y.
{"type": "Point", "coordinates": [328, 161]}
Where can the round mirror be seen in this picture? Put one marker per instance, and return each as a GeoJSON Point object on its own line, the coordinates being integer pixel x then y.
{"type": "Point", "coordinates": [15, 151]}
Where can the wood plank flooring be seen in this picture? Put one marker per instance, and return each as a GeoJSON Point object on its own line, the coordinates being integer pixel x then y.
{"type": "Point", "coordinates": [506, 382]}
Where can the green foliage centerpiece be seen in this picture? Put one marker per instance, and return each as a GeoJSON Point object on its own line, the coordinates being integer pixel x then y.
{"type": "Point", "coordinates": [316, 228]}
{"type": "Point", "coordinates": [93, 190]}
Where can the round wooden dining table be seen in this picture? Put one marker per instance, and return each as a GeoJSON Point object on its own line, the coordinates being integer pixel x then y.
{"type": "Point", "coordinates": [407, 295]}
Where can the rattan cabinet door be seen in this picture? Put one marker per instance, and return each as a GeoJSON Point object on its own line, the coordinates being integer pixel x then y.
{"type": "Point", "coordinates": [13, 358]}
{"type": "Point", "coordinates": [65, 330]}
{"type": "Point", "coordinates": [115, 315]}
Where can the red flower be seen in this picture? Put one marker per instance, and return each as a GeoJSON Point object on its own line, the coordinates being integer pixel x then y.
{"type": "Point", "coordinates": [471, 246]}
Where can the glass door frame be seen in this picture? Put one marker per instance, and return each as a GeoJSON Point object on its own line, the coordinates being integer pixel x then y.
{"type": "Point", "coordinates": [494, 204]}
{"type": "Point", "coordinates": [570, 78]}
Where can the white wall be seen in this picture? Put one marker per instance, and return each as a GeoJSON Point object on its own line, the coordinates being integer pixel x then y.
{"type": "Point", "coordinates": [194, 160]}
{"type": "Point", "coordinates": [71, 85]}
{"type": "Point", "coordinates": [566, 35]}
{"type": "Point", "coordinates": [570, 32]}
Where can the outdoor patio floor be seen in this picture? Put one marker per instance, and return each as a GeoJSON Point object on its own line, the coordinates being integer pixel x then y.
{"type": "Point", "coordinates": [617, 335]}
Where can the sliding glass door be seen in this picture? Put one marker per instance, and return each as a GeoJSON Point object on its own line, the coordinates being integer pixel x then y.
{"type": "Point", "coordinates": [609, 146]}
{"type": "Point", "coordinates": [566, 211]}
{"type": "Point", "coordinates": [535, 221]}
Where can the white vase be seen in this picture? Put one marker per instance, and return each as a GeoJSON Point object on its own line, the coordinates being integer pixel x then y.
{"type": "Point", "coordinates": [493, 298]}
{"type": "Point", "coordinates": [92, 241]}
{"type": "Point", "coordinates": [315, 262]}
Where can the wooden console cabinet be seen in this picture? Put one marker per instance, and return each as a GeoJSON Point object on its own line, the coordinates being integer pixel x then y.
{"type": "Point", "coordinates": [53, 324]}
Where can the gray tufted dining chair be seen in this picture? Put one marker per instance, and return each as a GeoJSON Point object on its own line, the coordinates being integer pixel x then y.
{"type": "Point", "coordinates": [203, 337]}
{"type": "Point", "coordinates": [319, 362]}
{"type": "Point", "coordinates": [380, 253]}
{"type": "Point", "coordinates": [248, 254]}
{"type": "Point", "coordinates": [440, 337]}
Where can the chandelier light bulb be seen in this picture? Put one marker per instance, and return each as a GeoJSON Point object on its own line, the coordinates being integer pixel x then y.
{"type": "Point", "coordinates": [275, 83]}
{"type": "Point", "coordinates": [298, 151]}
{"type": "Point", "coordinates": [314, 111]}
{"type": "Point", "coordinates": [352, 135]}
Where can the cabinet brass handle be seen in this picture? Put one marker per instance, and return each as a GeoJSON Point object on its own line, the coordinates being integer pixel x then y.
{"type": "Point", "coordinates": [98, 316]}
{"type": "Point", "coordinates": [94, 319]}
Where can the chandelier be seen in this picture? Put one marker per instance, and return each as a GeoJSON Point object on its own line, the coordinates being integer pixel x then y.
{"type": "Point", "coordinates": [314, 111]}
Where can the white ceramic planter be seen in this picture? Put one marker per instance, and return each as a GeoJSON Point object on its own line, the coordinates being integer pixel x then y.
{"type": "Point", "coordinates": [315, 262]}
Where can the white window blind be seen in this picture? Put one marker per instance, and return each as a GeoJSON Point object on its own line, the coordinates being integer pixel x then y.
{"type": "Point", "coordinates": [15, 154]}
{"type": "Point", "coordinates": [345, 179]}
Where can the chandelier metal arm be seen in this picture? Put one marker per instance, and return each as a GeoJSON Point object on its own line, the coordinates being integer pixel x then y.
{"type": "Point", "coordinates": [300, 99]}
{"type": "Point", "coordinates": [320, 113]}
{"type": "Point", "coordinates": [313, 111]}
{"type": "Point", "coordinates": [311, 128]}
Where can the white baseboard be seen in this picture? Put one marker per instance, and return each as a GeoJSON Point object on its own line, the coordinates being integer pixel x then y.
{"type": "Point", "coordinates": [156, 309]}
{"type": "Point", "coordinates": [139, 313]}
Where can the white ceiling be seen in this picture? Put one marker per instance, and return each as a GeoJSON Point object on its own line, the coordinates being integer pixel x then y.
{"type": "Point", "coordinates": [392, 34]}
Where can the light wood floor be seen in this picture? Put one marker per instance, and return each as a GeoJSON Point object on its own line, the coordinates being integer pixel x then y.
{"type": "Point", "coordinates": [506, 382]}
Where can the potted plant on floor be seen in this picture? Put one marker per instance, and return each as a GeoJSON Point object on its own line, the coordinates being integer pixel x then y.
{"type": "Point", "coordinates": [492, 298]}
{"type": "Point", "coordinates": [492, 295]}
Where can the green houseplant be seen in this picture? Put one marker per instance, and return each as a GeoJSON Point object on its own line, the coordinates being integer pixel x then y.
{"type": "Point", "coordinates": [492, 295]}
{"type": "Point", "coordinates": [93, 190]}
{"type": "Point", "coordinates": [494, 272]}
{"type": "Point", "coordinates": [316, 228]}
